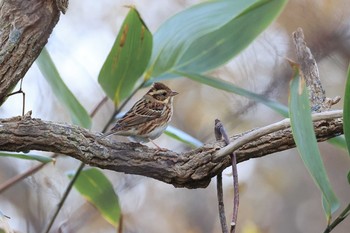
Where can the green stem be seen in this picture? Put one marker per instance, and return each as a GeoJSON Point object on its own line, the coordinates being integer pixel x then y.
{"type": "Point", "coordinates": [338, 220]}
{"type": "Point", "coordinates": [64, 197]}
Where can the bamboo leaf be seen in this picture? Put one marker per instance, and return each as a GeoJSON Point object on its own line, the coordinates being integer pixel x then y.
{"type": "Point", "coordinates": [305, 140]}
{"type": "Point", "coordinates": [346, 111]}
{"type": "Point", "coordinates": [339, 142]}
{"type": "Point", "coordinates": [226, 86]}
{"type": "Point", "coordinates": [77, 112]}
{"type": "Point", "coordinates": [209, 34]}
{"type": "Point", "coordinates": [39, 158]}
{"type": "Point", "coordinates": [97, 189]}
{"type": "Point", "coordinates": [182, 136]}
{"type": "Point", "coordinates": [127, 59]}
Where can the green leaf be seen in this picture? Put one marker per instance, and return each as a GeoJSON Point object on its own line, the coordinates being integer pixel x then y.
{"type": "Point", "coordinates": [209, 34]}
{"type": "Point", "coordinates": [338, 142]}
{"type": "Point", "coordinates": [127, 59]}
{"type": "Point", "coordinates": [346, 111]}
{"type": "Point", "coordinates": [226, 86]}
{"type": "Point", "coordinates": [182, 136]}
{"type": "Point", "coordinates": [77, 112]}
{"type": "Point", "coordinates": [39, 158]}
{"type": "Point", "coordinates": [97, 189]}
{"type": "Point", "coordinates": [305, 140]}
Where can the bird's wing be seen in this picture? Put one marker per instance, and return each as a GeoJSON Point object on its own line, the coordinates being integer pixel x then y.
{"type": "Point", "coordinates": [140, 113]}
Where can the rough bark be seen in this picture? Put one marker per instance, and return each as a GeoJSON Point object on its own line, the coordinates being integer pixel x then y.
{"type": "Point", "coordinates": [25, 27]}
{"type": "Point", "coordinates": [309, 71]}
{"type": "Point", "coordinates": [192, 169]}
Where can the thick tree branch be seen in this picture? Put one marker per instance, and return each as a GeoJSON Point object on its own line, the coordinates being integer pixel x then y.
{"type": "Point", "coordinates": [192, 169]}
{"type": "Point", "coordinates": [25, 27]}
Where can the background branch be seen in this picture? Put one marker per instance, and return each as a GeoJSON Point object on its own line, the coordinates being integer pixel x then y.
{"type": "Point", "coordinates": [192, 169]}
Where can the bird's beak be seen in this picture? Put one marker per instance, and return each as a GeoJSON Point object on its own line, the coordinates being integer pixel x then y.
{"type": "Point", "coordinates": [173, 93]}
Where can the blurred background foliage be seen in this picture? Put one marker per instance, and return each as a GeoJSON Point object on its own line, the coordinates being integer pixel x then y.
{"type": "Point", "coordinates": [277, 193]}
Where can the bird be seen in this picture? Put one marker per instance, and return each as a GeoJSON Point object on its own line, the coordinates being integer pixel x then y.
{"type": "Point", "coordinates": [148, 117]}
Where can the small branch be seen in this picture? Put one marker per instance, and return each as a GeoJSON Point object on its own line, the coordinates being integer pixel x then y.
{"type": "Point", "coordinates": [191, 169]}
{"type": "Point", "coordinates": [275, 127]}
{"type": "Point", "coordinates": [221, 206]}
{"type": "Point", "coordinates": [20, 91]}
{"type": "Point", "coordinates": [220, 194]}
{"type": "Point", "coordinates": [220, 130]}
{"type": "Point", "coordinates": [12, 181]}
{"type": "Point", "coordinates": [98, 107]}
{"type": "Point", "coordinates": [120, 225]}
{"type": "Point", "coordinates": [236, 193]}
{"type": "Point", "coordinates": [318, 99]}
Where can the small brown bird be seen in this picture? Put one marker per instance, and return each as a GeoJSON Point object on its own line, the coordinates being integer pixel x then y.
{"type": "Point", "coordinates": [149, 116]}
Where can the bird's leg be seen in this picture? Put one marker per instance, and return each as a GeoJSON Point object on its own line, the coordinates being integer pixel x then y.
{"type": "Point", "coordinates": [158, 147]}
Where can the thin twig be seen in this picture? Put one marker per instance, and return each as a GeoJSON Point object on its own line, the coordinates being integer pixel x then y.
{"type": "Point", "coordinates": [99, 105]}
{"type": "Point", "coordinates": [220, 195]}
{"type": "Point", "coordinates": [120, 225]}
{"type": "Point", "coordinates": [338, 220]}
{"type": "Point", "coordinates": [12, 181]}
{"type": "Point", "coordinates": [64, 197]}
{"type": "Point", "coordinates": [23, 98]}
{"type": "Point", "coordinates": [20, 91]}
{"type": "Point", "coordinates": [221, 205]}
{"type": "Point", "coordinates": [220, 128]}
{"type": "Point", "coordinates": [236, 192]}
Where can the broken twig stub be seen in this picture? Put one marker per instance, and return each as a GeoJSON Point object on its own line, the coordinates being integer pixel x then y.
{"type": "Point", "coordinates": [319, 101]}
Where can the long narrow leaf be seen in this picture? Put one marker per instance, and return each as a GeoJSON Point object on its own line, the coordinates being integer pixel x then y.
{"type": "Point", "coordinates": [182, 136]}
{"type": "Point", "coordinates": [346, 111]}
{"type": "Point", "coordinates": [226, 86]}
{"type": "Point", "coordinates": [97, 189]}
{"type": "Point", "coordinates": [127, 59]}
{"type": "Point", "coordinates": [39, 158]}
{"type": "Point", "coordinates": [305, 140]}
{"type": "Point", "coordinates": [339, 142]}
{"type": "Point", "coordinates": [209, 34]}
{"type": "Point", "coordinates": [77, 112]}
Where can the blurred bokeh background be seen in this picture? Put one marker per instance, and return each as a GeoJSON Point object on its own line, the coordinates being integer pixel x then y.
{"type": "Point", "coordinates": [277, 194]}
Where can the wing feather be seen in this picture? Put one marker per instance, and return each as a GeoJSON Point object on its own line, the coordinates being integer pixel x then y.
{"type": "Point", "coordinates": [141, 112]}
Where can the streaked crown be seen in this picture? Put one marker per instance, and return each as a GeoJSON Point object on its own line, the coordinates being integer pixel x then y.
{"type": "Point", "coordinates": [161, 92]}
